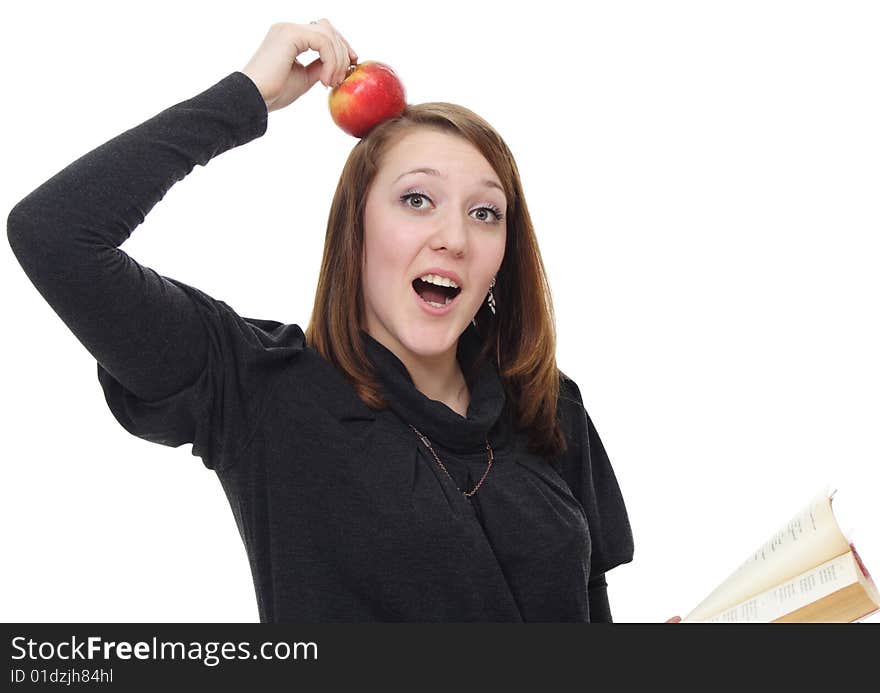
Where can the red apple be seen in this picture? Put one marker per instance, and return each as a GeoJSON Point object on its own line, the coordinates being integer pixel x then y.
{"type": "Point", "coordinates": [370, 93]}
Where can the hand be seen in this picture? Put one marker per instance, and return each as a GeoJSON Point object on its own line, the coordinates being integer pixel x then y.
{"type": "Point", "coordinates": [281, 78]}
{"type": "Point", "coordinates": [674, 619]}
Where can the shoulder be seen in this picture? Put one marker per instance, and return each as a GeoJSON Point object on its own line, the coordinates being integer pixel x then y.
{"type": "Point", "coordinates": [572, 419]}
{"type": "Point", "coordinates": [570, 407]}
{"type": "Point", "coordinates": [580, 431]}
{"type": "Point", "coordinates": [569, 390]}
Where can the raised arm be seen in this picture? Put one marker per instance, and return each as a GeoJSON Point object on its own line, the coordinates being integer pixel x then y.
{"type": "Point", "coordinates": [139, 326]}
{"type": "Point", "coordinates": [66, 236]}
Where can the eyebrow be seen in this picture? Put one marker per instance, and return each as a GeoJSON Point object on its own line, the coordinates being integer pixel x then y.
{"type": "Point", "coordinates": [487, 182]}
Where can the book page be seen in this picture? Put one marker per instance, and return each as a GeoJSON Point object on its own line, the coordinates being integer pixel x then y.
{"type": "Point", "coordinates": [817, 583]}
{"type": "Point", "coordinates": [811, 537]}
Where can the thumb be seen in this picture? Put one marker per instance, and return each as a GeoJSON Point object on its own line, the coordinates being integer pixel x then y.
{"type": "Point", "coordinates": [313, 71]}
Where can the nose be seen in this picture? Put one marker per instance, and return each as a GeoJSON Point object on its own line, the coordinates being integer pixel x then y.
{"type": "Point", "coordinates": [452, 235]}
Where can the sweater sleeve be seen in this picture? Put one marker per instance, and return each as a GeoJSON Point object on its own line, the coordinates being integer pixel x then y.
{"type": "Point", "coordinates": [600, 609]}
{"type": "Point", "coordinates": [589, 474]}
{"type": "Point", "coordinates": [170, 358]}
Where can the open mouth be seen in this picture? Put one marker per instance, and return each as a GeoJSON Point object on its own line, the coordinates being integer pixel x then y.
{"type": "Point", "coordinates": [437, 296]}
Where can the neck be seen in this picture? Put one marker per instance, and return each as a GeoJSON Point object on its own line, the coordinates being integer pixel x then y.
{"type": "Point", "coordinates": [438, 376]}
{"type": "Point", "coordinates": [443, 382]}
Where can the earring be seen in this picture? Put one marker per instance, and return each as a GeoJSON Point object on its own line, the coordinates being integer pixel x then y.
{"type": "Point", "coordinates": [492, 297]}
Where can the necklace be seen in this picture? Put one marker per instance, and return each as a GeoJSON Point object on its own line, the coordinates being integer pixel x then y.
{"type": "Point", "coordinates": [476, 488]}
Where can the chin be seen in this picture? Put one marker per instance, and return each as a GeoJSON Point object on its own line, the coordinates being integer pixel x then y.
{"type": "Point", "coordinates": [432, 340]}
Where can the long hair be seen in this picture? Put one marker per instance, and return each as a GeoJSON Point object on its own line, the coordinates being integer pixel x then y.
{"type": "Point", "coordinates": [520, 338]}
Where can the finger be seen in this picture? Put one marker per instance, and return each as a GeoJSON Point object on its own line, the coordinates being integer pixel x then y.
{"type": "Point", "coordinates": [313, 70]}
{"type": "Point", "coordinates": [341, 68]}
{"type": "Point", "coordinates": [320, 40]}
{"type": "Point", "coordinates": [342, 57]}
{"type": "Point", "coordinates": [341, 63]}
{"type": "Point", "coordinates": [352, 56]}
{"type": "Point", "coordinates": [334, 63]}
{"type": "Point", "coordinates": [344, 60]}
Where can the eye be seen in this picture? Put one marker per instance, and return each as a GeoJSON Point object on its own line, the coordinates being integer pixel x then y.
{"type": "Point", "coordinates": [420, 196]}
{"type": "Point", "coordinates": [406, 198]}
{"type": "Point", "coordinates": [491, 209]}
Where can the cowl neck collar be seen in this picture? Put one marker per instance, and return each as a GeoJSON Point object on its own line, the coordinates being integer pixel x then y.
{"type": "Point", "coordinates": [433, 418]}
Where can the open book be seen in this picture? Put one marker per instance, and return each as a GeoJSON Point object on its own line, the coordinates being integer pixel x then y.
{"type": "Point", "coordinates": [807, 572]}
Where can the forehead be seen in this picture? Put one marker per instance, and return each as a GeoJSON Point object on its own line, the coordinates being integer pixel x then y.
{"type": "Point", "coordinates": [446, 152]}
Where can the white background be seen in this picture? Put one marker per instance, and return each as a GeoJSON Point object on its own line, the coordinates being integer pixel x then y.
{"type": "Point", "coordinates": [703, 178]}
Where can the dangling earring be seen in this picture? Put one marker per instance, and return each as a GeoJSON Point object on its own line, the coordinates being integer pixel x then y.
{"type": "Point", "coordinates": [492, 297]}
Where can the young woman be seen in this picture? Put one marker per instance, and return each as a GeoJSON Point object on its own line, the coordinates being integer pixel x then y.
{"type": "Point", "coordinates": [415, 454]}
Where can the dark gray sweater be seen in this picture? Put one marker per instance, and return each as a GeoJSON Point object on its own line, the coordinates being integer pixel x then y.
{"type": "Point", "coordinates": [343, 511]}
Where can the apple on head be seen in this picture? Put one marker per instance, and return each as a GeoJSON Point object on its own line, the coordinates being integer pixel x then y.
{"type": "Point", "coordinates": [370, 93]}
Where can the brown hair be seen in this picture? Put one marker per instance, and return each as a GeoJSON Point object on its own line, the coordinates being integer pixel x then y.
{"type": "Point", "coordinates": [521, 336]}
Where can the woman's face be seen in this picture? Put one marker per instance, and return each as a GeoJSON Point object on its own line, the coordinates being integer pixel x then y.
{"type": "Point", "coordinates": [414, 222]}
